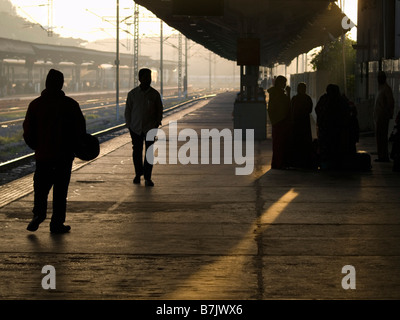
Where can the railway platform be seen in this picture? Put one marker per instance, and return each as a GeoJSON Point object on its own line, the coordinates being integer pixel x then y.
{"type": "Point", "coordinates": [203, 232]}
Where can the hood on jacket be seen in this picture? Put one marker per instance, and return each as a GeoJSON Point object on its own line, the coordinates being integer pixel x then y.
{"type": "Point", "coordinates": [54, 80]}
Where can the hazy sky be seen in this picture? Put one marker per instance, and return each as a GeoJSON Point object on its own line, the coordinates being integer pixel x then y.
{"type": "Point", "coordinates": [88, 19]}
{"type": "Point", "coordinates": [95, 19]}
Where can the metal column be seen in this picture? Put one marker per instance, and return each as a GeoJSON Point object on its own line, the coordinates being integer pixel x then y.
{"type": "Point", "coordinates": [50, 18]}
{"type": "Point", "coordinates": [117, 67]}
{"type": "Point", "coordinates": [136, 45]}
{"type": "Point", "coordinates": [161, 59]}
{"type": "Point", "coordinates": [180, 65]}
{"type": "Point", "coordinates": [185, 82]}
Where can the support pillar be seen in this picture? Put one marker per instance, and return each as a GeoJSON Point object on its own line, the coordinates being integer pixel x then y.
{"type": "Point", "coordinates": [250, 109]}
{"type": "Point", "coordinates": [29, 66]}
{"type": "Point", "coordinates": [77, 78]}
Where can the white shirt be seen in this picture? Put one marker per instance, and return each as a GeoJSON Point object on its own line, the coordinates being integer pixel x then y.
{"type": "Point", "coordinates": [143, 110]}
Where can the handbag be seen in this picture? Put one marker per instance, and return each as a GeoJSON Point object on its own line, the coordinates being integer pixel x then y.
{"type": "Point", "coordinates": [88, 148]}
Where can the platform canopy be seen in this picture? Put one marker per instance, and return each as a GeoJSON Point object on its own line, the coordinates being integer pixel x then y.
{"type": "Point", "coordinates": [235, 29]}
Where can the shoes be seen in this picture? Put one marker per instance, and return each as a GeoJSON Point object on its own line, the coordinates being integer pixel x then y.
{"type": "Point", "coordinates": [34, 224]}
{"type": "Point", "coordinates": [60, 229]}
{"type": "Point", "coordinates": [382, 160]}
{"type": "Point", "coordinates": [149, 183]}
{"type": "Point", "coordinates": [136, 180]}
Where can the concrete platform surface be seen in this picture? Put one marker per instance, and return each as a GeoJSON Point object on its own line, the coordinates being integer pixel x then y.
{"type": "Point", "coordinates": [203, 232]}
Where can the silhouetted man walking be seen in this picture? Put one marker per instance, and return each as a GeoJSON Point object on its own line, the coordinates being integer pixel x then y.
{"type": "Point", "coordinates": [143, 112]}
{"type": "Point", "coordinates": [53, 125]}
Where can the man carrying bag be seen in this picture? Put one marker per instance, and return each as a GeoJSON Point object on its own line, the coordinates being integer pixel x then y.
{"type": "Point", "coordinates": [53, 126]}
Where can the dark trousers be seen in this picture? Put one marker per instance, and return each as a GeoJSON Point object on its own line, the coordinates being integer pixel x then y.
{"type": "Point", "coordinates": [56, 174]}
{"type": "Point", "coordinates": [382, 138]}
{"type": "Point", "coordinates": [142, 166]}
{"type": "Point", "coordinates": [280, 144]}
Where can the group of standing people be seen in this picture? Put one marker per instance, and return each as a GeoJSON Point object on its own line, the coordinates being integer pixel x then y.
{"type": "Point", "coordinates": [337, 130]}
{"type": "Point", "coordinates": [292, 141]}
{"type": "Point", "coordinates": [336, 124]}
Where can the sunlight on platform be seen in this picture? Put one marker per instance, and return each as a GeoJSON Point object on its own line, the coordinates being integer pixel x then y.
{"type": "Point", "coordinates": [217, 273]}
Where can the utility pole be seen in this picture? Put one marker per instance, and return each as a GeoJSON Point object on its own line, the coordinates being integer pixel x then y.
{"type": "Point", "coordinates": [209, 71]}
{"type": "Point", "coordinates": [117, 66]}
{"type": "Point", "coordinates": [180, 65]}
{"type": "Point", "coordinates": [49, 18]}
{"type": "Point", "coordinates": [185, 84]}
{"type": "Point", "coordinates": [344, 54]}
{"type": "Point", "coordinates": [161, 58]}
{"type": "Point", "coordinates": [136, 45]}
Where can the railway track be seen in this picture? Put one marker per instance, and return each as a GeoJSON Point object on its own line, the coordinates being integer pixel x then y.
{"type": "Point", "coordinates": [19, 106]}
{"type": "Point", "coordinates": [84, 110]}
{"type": "Point", "coordinates": [15, 168]}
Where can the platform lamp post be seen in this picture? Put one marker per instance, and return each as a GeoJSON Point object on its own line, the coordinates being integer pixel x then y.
{"type": "Point", "coordinates": [117, 66]}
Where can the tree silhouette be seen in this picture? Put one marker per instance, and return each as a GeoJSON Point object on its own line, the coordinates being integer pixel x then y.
{"type": "Point", "coordinates": [330, 58]}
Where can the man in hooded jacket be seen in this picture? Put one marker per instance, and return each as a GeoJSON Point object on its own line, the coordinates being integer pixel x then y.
{"type": "Point", "coordinates": [53, 125]}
